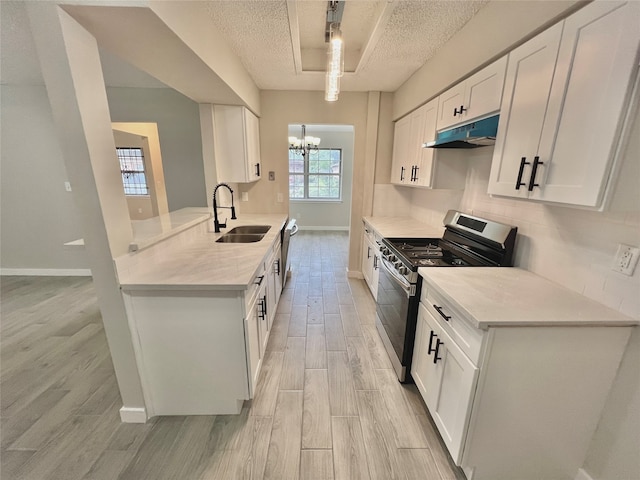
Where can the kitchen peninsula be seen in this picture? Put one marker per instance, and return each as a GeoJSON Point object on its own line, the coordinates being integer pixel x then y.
{"type": "Point", "coordinates": [200, 313]}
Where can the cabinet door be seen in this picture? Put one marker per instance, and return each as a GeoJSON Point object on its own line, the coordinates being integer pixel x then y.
{"type": "Point", "coordinates": [597, 56]}
{"type": "Point", "coordinates": [416, 129]}
{"type": "Point", "coordinates": [375, 273]}
{"type": "Point", "coordinates": [423, 370]}
{"type": "Point", "coordinates": [450, 102]}
{"type": "Point", "coordinates": [253, 165]}
{"type": "Point", "coordinates": [401, 136]}
{"type": "Point", "coordinates": [524, 103]}
{"type": "Point", "coordinates": [451, 408]}
{"type": "Point", "coordinates": [367, 260]}
{"type": "Point", "coordinates": [424, 174]}
{"type": "Point", "coordinates": [262, 311]}
{"type": "Point", "coordinates": [252, 341]}
{"type": "Point", "coordinates": [483, 93]}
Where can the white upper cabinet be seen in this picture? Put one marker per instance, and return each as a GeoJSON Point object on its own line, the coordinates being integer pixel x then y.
{"type": "Point", "coordinates": [477, 96]}
{"type": "Point", "coordinates": [416, 166]}
{"type": "Point", "coordinates": [563, 106]}
{"type": "Point", "coordinates": [236, 144]}
{"type": "Point", "coordinates": [401, 151]}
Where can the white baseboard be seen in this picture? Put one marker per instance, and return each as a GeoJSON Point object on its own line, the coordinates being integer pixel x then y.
{"type": "Point", "coordinates": [354, 274]}
{"type": "Point", "coordinates": [46, 272]}
{"type": "Point", "coordinates": [582, 475]}
{"type": "Point", "coordinates": [133, 415]}
{"type": "Point", "coordinates": [327, 229]}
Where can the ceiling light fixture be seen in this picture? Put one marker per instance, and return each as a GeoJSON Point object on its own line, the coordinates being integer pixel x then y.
{"type": "Point", "coordinates": [304, 144]}
{"type": "Point", "coordinates": [335, 52]}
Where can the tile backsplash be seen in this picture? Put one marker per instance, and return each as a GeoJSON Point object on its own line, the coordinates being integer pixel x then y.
{"type": "Point", "coordinates": [571, 246]}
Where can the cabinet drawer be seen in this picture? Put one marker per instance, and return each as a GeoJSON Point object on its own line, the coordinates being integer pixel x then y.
{"type": "Point", "coordinates": [459, 328]}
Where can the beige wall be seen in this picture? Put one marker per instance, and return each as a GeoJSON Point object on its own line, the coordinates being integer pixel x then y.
{"type": "Point", "coordinates": [281, 108]}
{"type": "Point", "coordinates": [496, 29]}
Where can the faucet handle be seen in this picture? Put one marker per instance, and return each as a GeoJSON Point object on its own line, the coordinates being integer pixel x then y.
{"type": "Point", "coordinates": [223, 225]}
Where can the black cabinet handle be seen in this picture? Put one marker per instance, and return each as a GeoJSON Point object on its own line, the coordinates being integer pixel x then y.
{"type": "Point", "coordinates": [439, 310]}
{"type": "Point", "coordinates": [436, 351]}
{"type": "Point", "coordinates": [401, 173]}
{"type": "Point", "coordinates": [262, 311]}
{"type": "Point", "coordinates": [460, 112]}
{"type": "Point", "coordinates": [264, 307]}
{"type": "Point", "coordinates": [431, 337]}
{"type": "Point", "coordinates": [519, 182]}
{"type": "Point", "coordinates": [259, 280]}
{"type": "Point", "coordinates": [277, 266]}
{"type": "Point", "coordinates": [415, 173]}
{"type": "Point", "coordinates": [534, 171]}
{"type": "Point", "coordinates": [368, 252]}
{"type": "Point", "coordinates": [257, 169]}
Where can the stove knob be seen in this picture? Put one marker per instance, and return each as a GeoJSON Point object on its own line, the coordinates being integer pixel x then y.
{"type": "Point", "coordinates": [392, 258]}
{"type": "Point", "coordinates": [398, 265]}
{"type": "Point", "coordinates": [403, 270]}
{"type": "Point", "coordinates": [384, 250]}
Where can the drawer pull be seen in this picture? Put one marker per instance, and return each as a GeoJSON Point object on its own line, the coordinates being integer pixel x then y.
{"type": "Point", "coordinates": [259, 280]}
{"type": "Point", "coordinates": [435, 353]}
{"type": "Point", "coordinates": [439, 310]}
{"type": "Point", "coordinates": [431, 337]}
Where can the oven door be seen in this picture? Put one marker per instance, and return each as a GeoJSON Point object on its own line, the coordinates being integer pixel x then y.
{"type": "Point", "coordinates": [396, 303]}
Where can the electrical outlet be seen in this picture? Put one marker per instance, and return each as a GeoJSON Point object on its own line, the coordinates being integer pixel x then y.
{"type": "Point", "coordinates": [67, 186]}
{"type": "Point", "coordinates": [626, 259]}
{"type": "Point", "coordinates": [244, 196]}
{"type": "Point", "coordinates": [272, 176]}
{"type": "Point", "coordinates": [279, 197]}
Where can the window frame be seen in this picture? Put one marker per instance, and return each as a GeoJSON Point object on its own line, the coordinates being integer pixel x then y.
{"type": "Point", "coordinates": [306, 174]}
{"type": "Point", "coordinates": [134, 171]}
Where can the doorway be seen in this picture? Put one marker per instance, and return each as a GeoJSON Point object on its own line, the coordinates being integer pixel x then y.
{"type": "Point", "coordinates": [321, 178]}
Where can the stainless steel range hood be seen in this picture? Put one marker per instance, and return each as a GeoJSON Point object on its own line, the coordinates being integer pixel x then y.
{"type": "Point", "coordinates": [471, 135]}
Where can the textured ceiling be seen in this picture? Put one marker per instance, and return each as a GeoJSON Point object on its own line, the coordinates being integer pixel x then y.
{"type": "Point", "coordinates": [281, 42]}
{"type": "Point", "coordinates": [385, 41]}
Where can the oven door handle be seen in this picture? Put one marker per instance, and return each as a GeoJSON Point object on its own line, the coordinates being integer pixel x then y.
{"type": "Point", "coordinates": [409, 289]}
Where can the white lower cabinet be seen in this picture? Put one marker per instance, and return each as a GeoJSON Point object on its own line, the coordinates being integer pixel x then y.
{"type": "Point", "coordinates": [514, 401]}
{"type": "Point", "coordinates": [273, 269]}
{"type": "Point", "coordinates": [446, 378]}
{"type": "Point", "coordinates": [371, 259]}
{"type": "Point", "coordinates": [200, 352]}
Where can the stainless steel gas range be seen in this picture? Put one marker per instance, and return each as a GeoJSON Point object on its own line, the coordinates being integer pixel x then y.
{"type": "Point", "coordinates": [468, 241]}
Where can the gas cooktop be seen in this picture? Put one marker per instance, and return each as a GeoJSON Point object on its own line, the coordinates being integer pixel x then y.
{"type": "Point", "coordinates": [424, 252]}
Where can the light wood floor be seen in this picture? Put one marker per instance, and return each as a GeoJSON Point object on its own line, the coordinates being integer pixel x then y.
{"type": "Point", "coordinates": [327, 406]}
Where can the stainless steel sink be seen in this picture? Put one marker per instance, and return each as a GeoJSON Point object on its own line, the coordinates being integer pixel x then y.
{"type": "Point", "coordinates": [251, 229]}
{"type": "Point", "coordinates": [240, 238]}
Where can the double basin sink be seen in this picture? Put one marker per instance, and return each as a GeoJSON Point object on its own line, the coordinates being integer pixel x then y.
{"type": "Point", "coordinates": [244, 234]}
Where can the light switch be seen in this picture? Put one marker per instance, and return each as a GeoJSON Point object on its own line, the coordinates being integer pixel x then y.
{"type": "Point", "coordinates": [280, 199]}
{"type": "Point", "coordinates": [67, 186]}
{"type": "Point", "coordinates": [245, 196]}
{"type": "Point", "coordinates": [272, 176]}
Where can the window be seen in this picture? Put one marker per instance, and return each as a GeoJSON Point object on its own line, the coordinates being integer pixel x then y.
{"type": "Point", "coordinates": [317, 178]}
{"type": "Point", "coordinates": [132, 169]}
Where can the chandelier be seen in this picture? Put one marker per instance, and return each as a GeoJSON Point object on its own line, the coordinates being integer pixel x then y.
{"type": "Point", "coordinates": [304, 144]}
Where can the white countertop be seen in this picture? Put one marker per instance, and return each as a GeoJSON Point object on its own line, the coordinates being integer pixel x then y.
{"type": "Point", "coordinates": [502, 296]}
{"type": "Point", "coordinates": [403, 227]}
{"type": "Point", "coordinates": [198, 262]}
{"type": "Point", "coordinates": [152, 230]}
